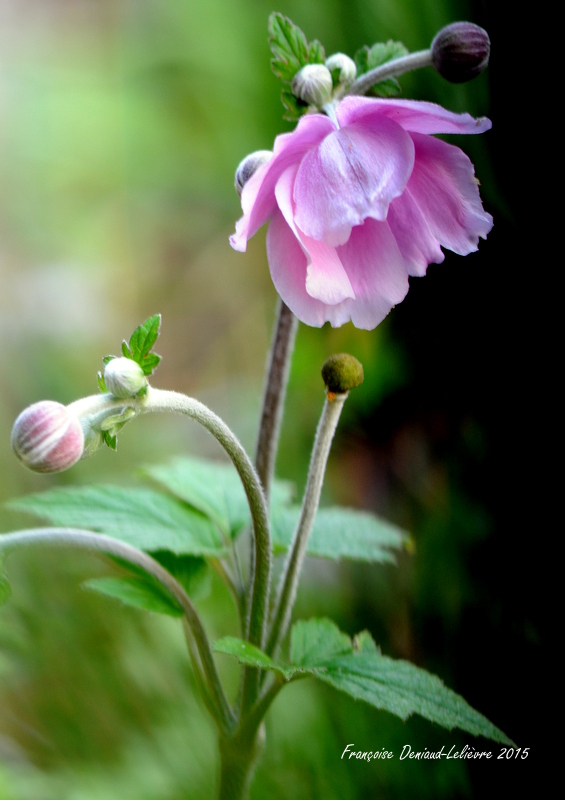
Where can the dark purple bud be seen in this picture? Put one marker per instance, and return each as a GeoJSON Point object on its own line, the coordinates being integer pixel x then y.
{"type": "Point", "coordinates": [47, 437]}
{"type": "Point", "coordinates": [460, 51]}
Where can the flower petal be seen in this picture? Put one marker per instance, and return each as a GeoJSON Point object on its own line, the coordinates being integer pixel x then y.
{"type": "Point", "coordinates": [377, 272]}
{"type": "Point", "coordinates": [413, 115]}
{"type": "Point", "coordinates": [326, 280]}
{"type": "Point", "coordinates": [353, 173]}
{"type": "Point", "coordinates": [444, 188]}
{"type": "Point", "coordinates": [411, 231]}
{"type": "Point", "coordinates": [258, 195]}
{"type": "Point", "coordinates": [287, 263]}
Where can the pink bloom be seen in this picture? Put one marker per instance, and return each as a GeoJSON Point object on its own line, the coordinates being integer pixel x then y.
{"type": "Point", "coordinates": [355, 209]}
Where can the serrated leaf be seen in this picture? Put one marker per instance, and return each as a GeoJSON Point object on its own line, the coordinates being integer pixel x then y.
{"type": "Point", "coordinates": [138, 593]}
{"type": "Point", "coordinates": [251, 656]}
{"type": "Point", "coordinates": [288, 46]}
{"type": "Point", "coordinates": [316, 53]}
{"type": "Point", "coordinates": [150, 363]}
{"type": "Point", "coordinates": [387, 88]}
{"type": "Point", "coordinates": [214, 488]}
{"type": "Point", "coordinates": [126, 352]}
{"type": "Point", "coordinates": [341, 533]}
{"type": "Point", "coordinates": [317, 640]}
{"type": "Point", "coordinates": [364, 643]}
{"type": "Point", "coordinates": [144, 337]}
{"type": "Point", "coordinates": [145, 518]}
{"type": "Point", "coordinates": [385, 683]}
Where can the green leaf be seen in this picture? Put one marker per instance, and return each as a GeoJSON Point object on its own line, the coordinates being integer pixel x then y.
{"type": "Point", "coordinates": [138, 593]}
{"type": "Point", "coordinates": [251, 656]}
{"type": "Point", "coordinates": [145, 518]}
{"type": "Point", "coordinates": [126, 352]}
{"type": "Point", "coordinates": [101, 382]}
{"type": "Point", "coordinates": [150, 363]}
{"type": "Point", "coordinates": [190, 571]}
{"type": "Point", "coordinates": [381, 53]}
{"type": "Point", "coordinates": [214, 488]}
{"type": "Point", "coordinates": [316, 640]}
{"type": "Point", "coordinates": [395, 686]}
{"type": "Point", "coordinates": [288, 46]}
{"type": "Point", "coordinates": [291, 52]}
{"type": "Point", "coordinates": [341, 533]}
{"type": "Point", "coordinates": [144, 337]}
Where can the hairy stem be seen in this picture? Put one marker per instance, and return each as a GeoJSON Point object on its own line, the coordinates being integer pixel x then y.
{"type": "Point", "coordinates": [422, 58]}
{"type": "Point", "coordinates": [289, 580]}
{"type": "Point", "coordinates": [278, 367]}
{"type": "Point", "coordinates": [106, 545]}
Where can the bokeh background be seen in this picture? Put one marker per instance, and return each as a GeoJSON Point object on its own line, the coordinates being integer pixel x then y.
{"type": "Point", "coordinates": [121, 123]}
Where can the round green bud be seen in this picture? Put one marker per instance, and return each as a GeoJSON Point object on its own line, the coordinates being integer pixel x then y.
{"type": "Point", "coordinates": [313, 84]}
{"type": "Point", "coordinates": [341, 373]}
{"type": "Point", "coordinates": [124, 378]}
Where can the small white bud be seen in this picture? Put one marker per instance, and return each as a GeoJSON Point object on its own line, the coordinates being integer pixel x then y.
{"type": "Point", "coordinates": [313, 84]}
{"type": "Point", "coordinates": [249, 167]}
{"type": "Point", "coordinates": [124, 378]}
{"type": "Point", "coordinates": [346, 66]}
{"type": "Point", "coordinates": [47, 437]}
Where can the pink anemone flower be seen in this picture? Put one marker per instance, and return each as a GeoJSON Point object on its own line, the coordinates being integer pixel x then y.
{"type": "Point", "coordinates": [359, 204]}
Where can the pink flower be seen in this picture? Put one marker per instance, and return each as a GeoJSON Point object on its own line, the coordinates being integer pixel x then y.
{"type": "Point", "coordinates": [357, 207]}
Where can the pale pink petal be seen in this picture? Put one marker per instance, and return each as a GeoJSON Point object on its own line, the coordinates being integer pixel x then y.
{"type": "Point", "coordinates": [415, 241]}
{"type": "Point", "coordinates": [258, 196]}
{"type": "Point", "coordinates": [444, 188]}
{"type": "Point", "coordinates": [354, 173]}
{"type": "Point", "coordinates": [326, 280]}
{"type": "Point", "coordinates": [377, 272]}
{"type": "Point", "coordinates": [288, 265]}
{"type": "Point", "coordinates": [413, 115]}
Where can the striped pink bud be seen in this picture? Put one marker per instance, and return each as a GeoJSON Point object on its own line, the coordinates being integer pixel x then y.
{"type": "Point", "coordinates": [47, 437]}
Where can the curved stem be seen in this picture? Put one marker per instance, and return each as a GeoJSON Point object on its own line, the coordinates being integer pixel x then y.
{"type": "Point", "coordinates": [160, 400]}
{"type": "Point", "coordinates": [96, 542]}
{"type": "Point", "coordinates": [289, 580]}
{"type": "Point", "coordinates": [278, 367]}
{"type": "Point", "coordinates": [422, 58]}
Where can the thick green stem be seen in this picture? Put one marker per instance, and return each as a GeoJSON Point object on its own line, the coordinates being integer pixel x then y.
{"type": "Point", "coordinates": [239, 755]}
{"type": "Point", "coordinates": [98, 543]}
{"type": "Point", "coordinates": [289, 580]}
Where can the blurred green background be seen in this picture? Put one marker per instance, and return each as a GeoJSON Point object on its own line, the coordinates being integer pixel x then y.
{"type": "Point", "coordinates": [121, 123]}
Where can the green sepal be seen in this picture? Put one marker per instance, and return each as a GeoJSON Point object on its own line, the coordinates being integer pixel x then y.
{"type": "Point", "coordinates": [368, 58]}
{"type": "Point", "coordinates": [111, 441]}
{"type": "Point", "coordinates": [101, 383]}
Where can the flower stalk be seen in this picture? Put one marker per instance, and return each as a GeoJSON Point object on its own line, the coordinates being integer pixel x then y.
{"type": "Point", "coordinates": [289, 581]}
{"type": "Point", "coordinates": [205, 667]}
{"type": "Point", "coordinates": [392, 69]}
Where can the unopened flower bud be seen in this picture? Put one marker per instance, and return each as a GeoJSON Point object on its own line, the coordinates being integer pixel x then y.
{"type": "Point", "coordinates": [313, 84]}
{"type": "Point", "coordinates": [47, 437]}
{"type": "Point", "coordinates": [341, 373]}
{"type": "Point", "coordinates": [460, 51]}
{"type": "Point", "coordinates": [346, 67]}
{"type": "Point", "coordinates": [249, 167]}
{"type": "Point", "coordinates": [124, 378]}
